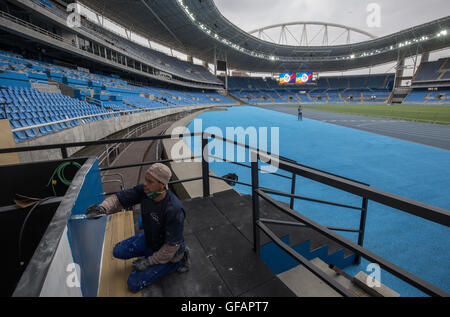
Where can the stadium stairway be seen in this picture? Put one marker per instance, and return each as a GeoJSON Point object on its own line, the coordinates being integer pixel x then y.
{"type": "Point", "coordinates": [320, 251]}
{"type": "Point", "coordinates": [232, 97]}
{"type": "Point", "coordinates": [50, 87]}
{"type": "Point", "coordinates": [310, 244]}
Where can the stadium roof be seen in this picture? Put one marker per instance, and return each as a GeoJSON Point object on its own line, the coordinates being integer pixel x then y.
{"type": "Point", "coordinates": [197, 27]}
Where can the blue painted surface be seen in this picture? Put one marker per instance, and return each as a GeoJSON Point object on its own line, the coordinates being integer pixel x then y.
{"type": "Point", "coordinates": [407, 169]}
{"type": "Point", "coordinates": [38, 76]}
{"type": "Point", "coordinates": [14, 79]}
{"type": "Point", "coordinates": [74, 81]}
{"type": "Point", "coordinates": [279, 261]}
{"type": "Point", "coordinates": [275, 258]}
{"type": "Point", "coordinates": [86, 236]}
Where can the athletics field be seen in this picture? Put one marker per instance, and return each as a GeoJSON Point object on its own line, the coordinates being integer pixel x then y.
{"type": "Point", "coordinates": [422, 113]}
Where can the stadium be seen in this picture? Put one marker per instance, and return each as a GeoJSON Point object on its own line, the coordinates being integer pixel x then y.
{"type": "Point", "coordinates": [303, 170]}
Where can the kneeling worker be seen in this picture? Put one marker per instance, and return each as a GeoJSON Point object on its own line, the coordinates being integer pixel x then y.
{"type": "Point", "coordinates": [160, 249]}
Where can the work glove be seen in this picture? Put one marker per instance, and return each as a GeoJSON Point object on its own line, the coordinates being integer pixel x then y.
{"type": "Point", "coordinates": [95, 212]}
{"type": "Point", "coordinates": [141, 264]}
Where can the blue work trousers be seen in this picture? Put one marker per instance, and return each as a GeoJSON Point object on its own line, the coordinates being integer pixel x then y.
{"type": "Point", "coordinates": [135, 247]}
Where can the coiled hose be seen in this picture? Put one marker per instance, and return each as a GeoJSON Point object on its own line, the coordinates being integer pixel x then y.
{"type": "Point", "coordinates": [59, 172]}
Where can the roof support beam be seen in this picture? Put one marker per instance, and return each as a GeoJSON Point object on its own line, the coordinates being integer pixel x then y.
{"type": "Point", "coordinates": [162, 23]}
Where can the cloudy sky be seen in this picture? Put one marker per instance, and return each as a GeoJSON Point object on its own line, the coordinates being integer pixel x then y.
{"type": "Point", "coordinates": [395, 15]}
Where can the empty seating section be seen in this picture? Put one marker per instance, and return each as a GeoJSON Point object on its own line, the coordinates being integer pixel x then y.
{"type": "Point", "coordinates": [29, 107]}
{"type": "Point", "coordinates": [425, 96]}
{"type": "Point", "coordinates": [436, 76]}
{"type": "Point", "coordinates": [348, 89]}
{"type": "Point", "coordinates": [95, 97]}
{"type": "Point", "coordinates": [433, 71]}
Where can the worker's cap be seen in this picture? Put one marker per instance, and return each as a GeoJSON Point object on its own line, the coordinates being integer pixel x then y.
{"type": "Point", "coordinates": [161, 172]}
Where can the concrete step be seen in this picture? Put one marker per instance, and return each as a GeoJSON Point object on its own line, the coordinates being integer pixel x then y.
{"type": "Point", "coordinates": [355, 289]}
{"type": "Point", "coordinates": [305, 284]}
{"type": "Point", "coordinates": [46, 87]}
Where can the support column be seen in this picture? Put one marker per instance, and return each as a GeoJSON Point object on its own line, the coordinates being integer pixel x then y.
{"type": "Point", "coordinates": [425, 57]}
{"type": "Point", "coordinates": [226, 72]}
{"type": "Point", "coordinates": [215, 61]}
{"type": "Point", "coordinates": [399, 72]}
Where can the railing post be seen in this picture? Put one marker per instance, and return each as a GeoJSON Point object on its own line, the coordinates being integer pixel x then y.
{"type": "Point", "coordinates": [255, 202]}
{"type": "Point", "coordinates": [362, 227]}
{"type": "Point", "coordinates": [291, 205]}
{"type": "Point", "coordinates": [64, 153]}
{"type": "Point", "coordinates": [107, 155]}
{"type": "Point", "coordinates": [205, 165]}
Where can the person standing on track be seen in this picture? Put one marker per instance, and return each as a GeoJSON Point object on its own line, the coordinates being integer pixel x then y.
{"type": "Point", "coordinates": [300, 114]}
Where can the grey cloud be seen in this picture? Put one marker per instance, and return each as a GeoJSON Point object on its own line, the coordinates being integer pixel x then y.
{"type": "Point", "coordinates": [395, 15]}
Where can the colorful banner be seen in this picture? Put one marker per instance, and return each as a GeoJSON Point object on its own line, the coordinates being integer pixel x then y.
{"type": "Point", "coordinates": [296, 78]}
{"type": "Point", "coordinates": [287, 78]}
{"type": "Point", "coordinates": [304, 78]}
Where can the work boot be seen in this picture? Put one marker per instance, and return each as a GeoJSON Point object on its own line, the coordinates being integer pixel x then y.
{"type": "Point", "coordinates": [186, 262]}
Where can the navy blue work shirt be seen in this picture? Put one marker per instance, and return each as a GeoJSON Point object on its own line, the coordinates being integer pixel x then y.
{"type": "Point", "coordinates": [163, 221]}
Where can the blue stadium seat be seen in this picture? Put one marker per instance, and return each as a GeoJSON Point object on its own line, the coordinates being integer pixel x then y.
{"type": "Point", "coordinates": [30, 133]}
{"type": "Point", "coordinates": [19, 136]}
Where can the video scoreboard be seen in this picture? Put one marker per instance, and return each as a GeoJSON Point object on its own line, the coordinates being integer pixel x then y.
{"type": "Point", "coordinates": [298, 78]}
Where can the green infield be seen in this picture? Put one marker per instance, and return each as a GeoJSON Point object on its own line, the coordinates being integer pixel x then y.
{"type": "Point", "coordinates": [433, 114]}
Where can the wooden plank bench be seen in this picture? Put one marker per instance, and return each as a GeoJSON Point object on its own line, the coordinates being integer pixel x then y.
{"type": "Point", "coordinates": [115, 272]}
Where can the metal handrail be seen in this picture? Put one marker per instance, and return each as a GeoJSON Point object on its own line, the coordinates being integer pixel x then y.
{"type": "Point", "coordinates": [305, 262]}
{"type": "Point", "coordinates": [116, 174]}
{"type": "Point", "coordinates": [426, 211]}
{"type": "Point", "coordinates": [115, 181]}
{"type": "Point", "coordinates": [63, 146]}
{"type": "Point", "coordinates": [33, 27]}
{"type": "Point", "coordinates": [67, 120]}
{"type": "Point", "coordinates": [230, 180]}
{"type": "Point", "coordinates": [276, 192]}
{"type": "Point", "coordinates": [147, 163]}
{"type": "Point", "coordinates": [116, 147]}
{"type": "Point", "coordinates": [388, 266]}
{"type": "Point", "coordinates": [297, 224]}
{"type": "Point", "coordinates": [429, 212]}
{"type": "Point", "coordinates": [243, 165]}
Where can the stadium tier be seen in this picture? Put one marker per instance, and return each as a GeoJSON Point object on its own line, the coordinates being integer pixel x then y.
{"type": "Point", "coordinates": [431, 84]}
{"type": "Point", "coordinates": [436, 71]}
{"type": "Point", "coordinates": [425, 96]}
{"type": "Point", "coordinates": [30, 96]}
{"type": "Point", "coordinates": [153, 58]}
{"type": "Point", "coordinates": [347, 89]}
